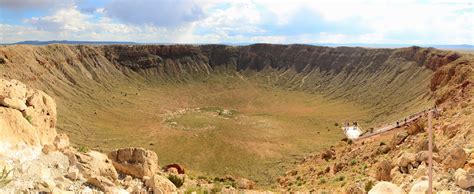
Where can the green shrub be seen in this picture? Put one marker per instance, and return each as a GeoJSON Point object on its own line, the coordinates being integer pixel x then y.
{"type": "Point", "coordinates": [322, 181]}
{"type": "Point", "coordinates": [339, 178]}
{"type": "Point", "coordinates": [83, 149]}
{"type": "Point", "coordinates": [353, 161]}
{"type": "Point", "coordinates": [336, 124]}
{"type": "Point", "coordinates": [176, 180]}
{"type": "Point", "coordinates": [363, 167]}
{"type": "Point", "coordinates": [29, 119]}
{"type": "Point", "coordinates": [4, 180]}
{"type": "Point", "coordinates": [369, 185]}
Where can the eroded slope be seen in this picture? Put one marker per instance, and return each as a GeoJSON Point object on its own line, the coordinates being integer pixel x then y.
{"type": "Point", "coordinates": [286, 97]}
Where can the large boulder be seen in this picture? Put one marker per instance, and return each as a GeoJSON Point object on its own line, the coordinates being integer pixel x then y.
{"type": "Point", "coordinates": [398, 139]}
{"type": "Point", "coordinates": [243, 183]}
{"type": "Point", "coordinates": [41, 112]}
{"type": "Point", "coordinates": [16, 130]}
{"type": "Point", "coordinates": [160, 184]}
{"type": "Point", "coordinates": [419, 188]}
{"type": "Point", "coordinates": [382, 171]}
{"type": "Point", "coordinates": [450, 130]}
{"type": "Point", "coordinates": [423, 145]}
{"type": "Point", "coordinates": [455, 157]}
{"type": "Point", "coordinates": [405, 159]}
{"type": "Point", "coordinates": [27, 116]}
{"type": "Point", "coordinates": [137, 162]}
{"type": "Point", "coordinates": [95, 164]}
{"type": "Point", "coordinates": [13, 94]}
{"type": "Point", "coordinates": [338, 166]}
{"type": "Point", "coordinates": [328, 154]}
{"type": "Point", "coordinates": [464, 179]}
{"type": "Point", "coordinates": [386, 188]}
{"type": "Point", "coordinates": [415, 128]}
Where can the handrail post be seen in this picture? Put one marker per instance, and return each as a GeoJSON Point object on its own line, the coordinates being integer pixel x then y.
{"type": "Point", "coordinates": [430, 148]}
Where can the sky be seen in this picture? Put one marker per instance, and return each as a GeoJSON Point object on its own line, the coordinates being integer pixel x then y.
{"type": "Point", "coordinates": [240, 21]}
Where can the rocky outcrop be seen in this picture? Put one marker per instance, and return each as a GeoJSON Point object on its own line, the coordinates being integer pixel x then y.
{"type": "Point", "coordinates": [95, 164]}
{"type": "Point", "coordinates": [160, 184]}
{"type": "Point", "coordinates": [387, 188]}
{"type": "Point", "coordinates": [455, 157]}
{"type": "Point", "coordinates": [137, 162]}
{"type": "Point", "coordinates": [383, 169]}
{"type": "Point", "coordinates": [464, 179]}
{"type": "Point", "coordinates": [27, 116]}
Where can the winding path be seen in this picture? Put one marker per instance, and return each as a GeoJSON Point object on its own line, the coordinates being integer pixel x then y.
{"type": "Point", "coordinates": [390, 127]}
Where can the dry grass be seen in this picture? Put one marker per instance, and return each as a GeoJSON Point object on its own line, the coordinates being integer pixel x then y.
{"type": "Point", "coordinates": [270, 128]}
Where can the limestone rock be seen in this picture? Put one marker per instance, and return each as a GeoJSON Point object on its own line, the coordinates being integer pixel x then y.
{"type": "Point", "coordinates": [419, 187]}
{"type": "Point", "coordinates": [243, 183]}
{"type": "Point", "coordinates": [102, 183]}
{"type": "Point", "coordinates": [398, 139]}
{"type": "Point", "coordinates": [415, 128]}
{"type": "Point", "coordinates": [137, 162]}
{"type": "Point", "coordinates": [43, 115]}
{"type": "Point", "coordinates": [405, 159]}
{"type": "Point", "coordinates": [455, 158]}
{"type": "Point", "coordinates": [14, 103]}
{"type": "Point", "coordinates": [16, 130]}
{"type": "Point", "coordinates": [336, 167]}
{"type": "Point", "coordinates": [328, 154]}
{"type": "Point", "coordinates": [422, 145]}
{"type": "Point", "coordinates": [463, 179]}
{"type": "Point", "coordinates": [48, 148]}
{"type": "Point", "coordinates": [73, 173]}
{"type": "Point", "coordinates": [95, 164]}
{"type": "Point", "coordinates": [450, 130]}
{"type": "Point", "coordinates": [26, 116]}
{"type": "Point", "coordinates": [383, 149]}
{"type": "Point", "coordinates": [160, 184]}
{"type": "Point", "coordinates": [13, 94]}
{"type": "Point", "coordinates": [386, 188]}
{"type": "Point", "coordinates": [383, 169]}
{"type": "Point", "coordinates": [61, 141]}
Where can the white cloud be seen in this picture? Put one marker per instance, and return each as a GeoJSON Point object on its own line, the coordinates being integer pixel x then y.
{"type": "Point", "coordinates": [206, 21]}
{"type": "Point", "coordinates": [65, 19]}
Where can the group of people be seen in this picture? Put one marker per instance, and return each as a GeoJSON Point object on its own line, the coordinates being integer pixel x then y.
{"type": "Point", "coordinates": [354, 123]}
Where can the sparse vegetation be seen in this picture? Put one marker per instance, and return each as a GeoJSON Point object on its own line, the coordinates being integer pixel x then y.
{"type": "Point", "coordinates": [369, 185]}
{"type": "Point", "coordinates": [176, 180]}
{"type": "Point", "coordinates": [4, 180]}
{"type": "Point", "coordinates": [353, 162]}
{"type": "Point", "coordinates": [29, 119]}
{"type": "Point", "coordinates": [322, 181]}
{"type": "Point", "coordinates": [349, 141]}
{"type": "Point", "coordinates": [83, 149]}
{"type": "Point", "coordinates": [339, 178]}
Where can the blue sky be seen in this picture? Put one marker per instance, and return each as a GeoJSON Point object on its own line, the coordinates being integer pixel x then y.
{"type": "Point", "coordinates": [246, 21]}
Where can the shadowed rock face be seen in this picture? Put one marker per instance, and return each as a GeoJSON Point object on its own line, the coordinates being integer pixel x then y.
{"type": "Point", "coordinates": [259, 56]}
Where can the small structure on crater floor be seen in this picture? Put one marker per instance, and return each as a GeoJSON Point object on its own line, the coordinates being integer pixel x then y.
{"type": "Point", "coordinates": [352, 131]}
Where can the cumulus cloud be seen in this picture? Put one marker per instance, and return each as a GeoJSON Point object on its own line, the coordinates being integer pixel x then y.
{"type": "Point", "coordinates": [67, 19]}
{"type": "Point", "coordinates": [166, 13]}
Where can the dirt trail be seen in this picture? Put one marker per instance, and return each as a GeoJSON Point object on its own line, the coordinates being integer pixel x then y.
{"type": "Point", "coordinates": [390, 127]}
